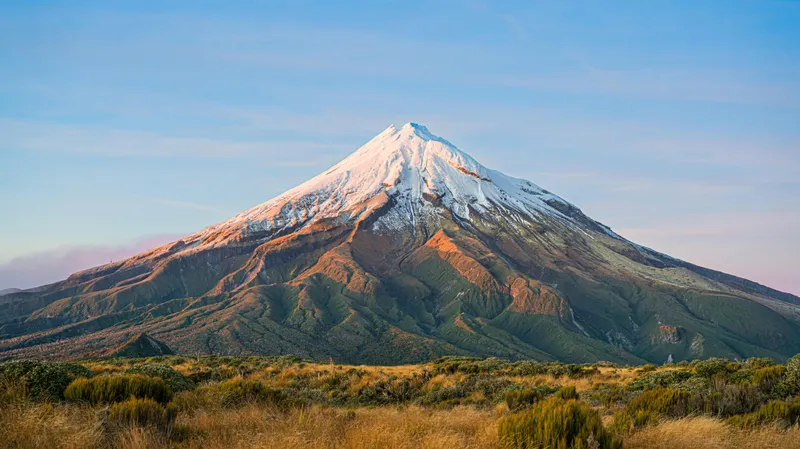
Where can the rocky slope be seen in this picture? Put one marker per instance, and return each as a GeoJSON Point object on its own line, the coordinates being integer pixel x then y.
{"type": "Point", "coordinates": [407, 250]}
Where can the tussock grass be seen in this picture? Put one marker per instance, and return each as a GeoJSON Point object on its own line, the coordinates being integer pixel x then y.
{"type": "Point", "coordinates": [110, 389]}
{"type": "Point", "coordinates": [318, 427]}
{"type": "Point", "coordinates": [29, 425]}
{"type": "Point", "coordinates": [143, 413]}
{"type": "Point", "coordinates": [710, 433]}
{"type": "Point", "coordinates": [558, 423]}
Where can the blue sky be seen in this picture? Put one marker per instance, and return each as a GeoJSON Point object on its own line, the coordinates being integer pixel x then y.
{"type": "Point", "coordinates": [127, 124]}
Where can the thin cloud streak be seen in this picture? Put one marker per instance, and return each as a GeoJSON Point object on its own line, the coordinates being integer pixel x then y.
{"type": "Point", "coordinates": [33, 136]}
{"type": "Point", "coordinates": [57, 264]}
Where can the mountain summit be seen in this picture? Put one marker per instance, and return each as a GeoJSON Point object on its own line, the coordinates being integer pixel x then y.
{"type": "Point", "coordinates": [407, 250]}
{"type": "Point", "coordinates": [421, 173]}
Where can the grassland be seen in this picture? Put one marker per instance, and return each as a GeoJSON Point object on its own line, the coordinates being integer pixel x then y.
{"type": "Point", "coordinates": [284, 402]}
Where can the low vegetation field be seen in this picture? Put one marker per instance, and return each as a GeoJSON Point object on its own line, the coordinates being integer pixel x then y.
{"type": "Point", "coordinates": [285, 402]}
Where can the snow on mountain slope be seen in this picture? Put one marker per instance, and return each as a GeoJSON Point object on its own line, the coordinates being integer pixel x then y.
{"type": "Point", "coordinates": [414, 167]}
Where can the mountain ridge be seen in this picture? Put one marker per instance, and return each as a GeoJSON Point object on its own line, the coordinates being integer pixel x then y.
{"type": "Point", "coordinates": [406, 250]}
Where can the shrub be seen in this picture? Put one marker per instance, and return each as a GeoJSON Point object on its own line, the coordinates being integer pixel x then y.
{"type": "Point", "coordinates": [519, 399]}
{"type": "Point", "coordinates": [759, 362]}
{"type": "Point", "coordinates": [667, 378]}
{"type": "Point", "coordinates": [395, 390]}
{"type": "Point", "coordinates": [16, 369]}
{"type": "Point", "coordinates": [694, 384]}
{"type": "Point", "coordinates": [648, 368]}
{"type": "Point", "coordinates": [41, 380]}
{"type": "Point", "coordinates": [766, 378]}
{"type": "Point", "coordinates": [609, 394]}
{"type": "Point", "coordinates": [491, 386]}
{"type": "Point", "coordinates": [778, 412]}
{"type": "Point", "coordinates": [728, 399]}
{"type": "Point", "coordinates": [567, 393]}
{"type": "Point", "coordinates": [741, 377]}
{"type": "Point", "coordinates": [445, 397]}
{"type": "Point", "coordinates": [569, 370]}
{"type": "Point", "coordinates": [237, 391]}
{"type": "Point", "coordinates": [109, 389]}
{"type": "Point", "coordinates": [711, 367]}
{"type": "Point", "coordinates": [142, 413]}
{"type": "Point", "coordinates": [528, 368]}
{"type": "Point", "coordinates": [175, 379]}
{"type": "Point", "coordinates": [645, 409]}
{"type": "Point", "coordinates": [556, 424]}
{"type": "Point", "coordinates": [191, 400]}
{"type": "Point", "coordinates": [793, 372]}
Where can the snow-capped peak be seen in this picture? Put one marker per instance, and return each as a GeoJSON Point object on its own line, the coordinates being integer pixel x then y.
{"type": "Point", "coordinates": [420, 171]}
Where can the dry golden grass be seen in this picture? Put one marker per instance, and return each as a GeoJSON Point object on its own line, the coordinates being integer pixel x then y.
{"type": "Point", "coordinates": [317, 427]}
{"type": "Point", "coordinates": [49, 426]}
{"type": "Point", "coordinates": [580, 384]}
{"type": "Point", "coordinates": [445, 381]}
{"type": "Point", "coordinates": [138, 438]}
{"type": "Point", "coordinates": [252, 426]}
{"type": "Point", "coordinates": [710, 433]}
{"type": "Point", "coordinates": [399, 370]}
{"type": "Point", "coordinates": [604, 375]}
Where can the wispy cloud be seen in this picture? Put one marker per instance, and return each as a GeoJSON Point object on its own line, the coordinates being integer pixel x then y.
{"type": "Point", "coordinates": [50, 266]}
{"type": "Point", "coordinates": [38, 136]}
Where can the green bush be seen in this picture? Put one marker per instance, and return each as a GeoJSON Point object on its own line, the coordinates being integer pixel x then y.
{"type": "Point", "coordinates": [567, 393]}
{"type": "Point", "coordinates": [793, 372]}
{"type": "Point", "coordinates": [728, 399]}
{"type": "Point", "coordinates": [444, 397]}
{"type": "Point", "coordinates": [741, 377]}
{"type": "Point", "coordinates": [759, 362]}
{"type": "Point", "coordinates": [42, 381]}
{"type": "Point", "coordinates": [191, 400]}
{"type": "Point", "coordinates": [492, 387]}
{"type": "Point", "coordinates": [667, 378]}
{"type": "Point", "coordinates": [774, 412]}
{"type": "Point", "coordinates": [109, 389]}
{"type": "Point", "coordinates": [556, 424]}
{"type": "Point", "coordinates": [711, 367]}
{"type": "Point", "coordinates": [175, 379]}
{"type": "Point", "coordinates": [519, 399]}
{"type": "Point", "coordinates": [528, 368]}
{"type": "Point", "coordinates": [766, 378]}
{"type": "Point", "coordinates": [569, 370]}
{"type": "Point", "coordinates": [142, 413]}
{"type": "Point", "coordinates": [237, 391]}
{"type": "Point", "coordinates": [648, 368]}
{"type": "Point", "coordinates": [609, 394]}
{"type": "Point", "coordinates": [646, 409]}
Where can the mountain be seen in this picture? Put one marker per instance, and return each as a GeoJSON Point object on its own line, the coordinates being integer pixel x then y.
{"type": "Point", "coordinates": [406, 250]}
{"type": "Point", "coordinates": [6, 291]}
